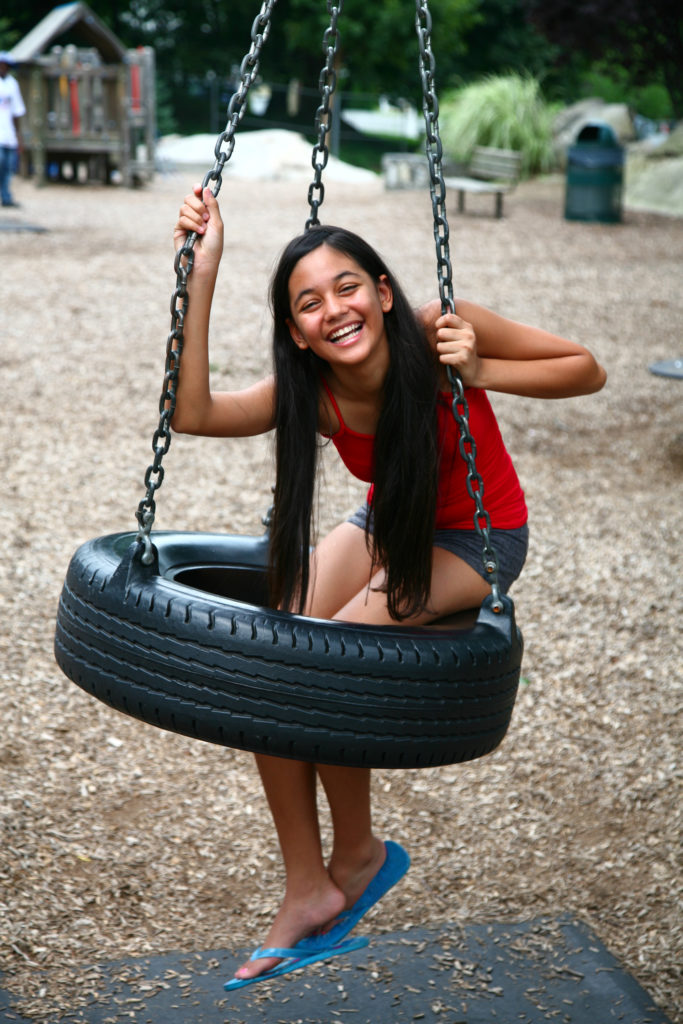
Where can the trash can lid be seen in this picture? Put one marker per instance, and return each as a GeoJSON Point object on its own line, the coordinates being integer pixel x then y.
{"type": "Point", "coordinates": [598, 132]}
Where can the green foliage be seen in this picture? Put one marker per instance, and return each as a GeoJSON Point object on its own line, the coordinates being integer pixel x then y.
{"type": "Point", "coordinates": [653, 101]}
{"type": "Point", "coordinates": [507, 111]}
{"type": "Point", "coordinates": [166, 120]}
{"type": "Point", "coordinates": [645, 38]}
{"type": "Point", "coordinates": [378, 46]}
{"type": "Point", "coordinates": [614, 84]}
{"type": "Point", "coordinates": [7, 37]}
{"type": "Point", "coordinates": [501, 40]}
{"type": "Point", "coordinates": [377, 41]}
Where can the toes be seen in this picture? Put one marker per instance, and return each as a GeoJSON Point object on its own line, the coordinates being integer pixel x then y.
{"type": "Point", "coordinates": [253, 968]}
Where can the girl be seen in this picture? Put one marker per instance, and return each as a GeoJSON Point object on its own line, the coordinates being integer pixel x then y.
{"type": "Point", "coordinates": [353, 363]}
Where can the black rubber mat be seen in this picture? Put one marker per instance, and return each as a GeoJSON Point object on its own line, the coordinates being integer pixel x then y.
{"type": "Point", "coordinates": [525, 973]}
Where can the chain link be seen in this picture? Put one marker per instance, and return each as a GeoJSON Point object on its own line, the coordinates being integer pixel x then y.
{"type": "Point", "coordinates": [327, 83]}
{"type": "Point", "coordinates": [184, 260]}
{"type": "Point", "coordinates": [437, 191]}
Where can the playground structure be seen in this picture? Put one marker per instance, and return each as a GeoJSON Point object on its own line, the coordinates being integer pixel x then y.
{"type": "Point", "coordinates": [90, 102]}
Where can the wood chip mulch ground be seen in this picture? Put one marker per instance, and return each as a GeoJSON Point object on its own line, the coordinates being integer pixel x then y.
{"type": "Point", "coordinates": [118, 840]}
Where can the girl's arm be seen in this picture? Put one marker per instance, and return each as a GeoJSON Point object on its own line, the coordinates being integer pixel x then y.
{"type": "Point", "coordinates": [199, 410]}
{"type": "Point", "coordinates": [492, 352]}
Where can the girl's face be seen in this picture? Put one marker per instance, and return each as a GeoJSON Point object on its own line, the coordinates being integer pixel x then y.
{"type": "Point", "coordinates": [337, 309]}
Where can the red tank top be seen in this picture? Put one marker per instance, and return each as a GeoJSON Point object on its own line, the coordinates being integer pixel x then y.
{"type": "Point", "coordinates": [503, 496]}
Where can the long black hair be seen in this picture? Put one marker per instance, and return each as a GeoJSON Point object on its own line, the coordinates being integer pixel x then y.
{"type": "Point", "coordinates": [406, 455]}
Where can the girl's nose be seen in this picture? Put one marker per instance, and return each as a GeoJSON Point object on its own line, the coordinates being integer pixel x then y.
{"type": "Point", "coordinates": [334, 305]}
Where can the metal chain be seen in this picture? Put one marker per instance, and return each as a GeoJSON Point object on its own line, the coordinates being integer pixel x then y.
{"type": "Point", "coordinates": [260, 31]}
{"type": "Point", "coordinates": [184, 260]}
{"type": "Point", "coordinates": [327, 83]}
{"type": "Point", "coordinates": [437, 191]}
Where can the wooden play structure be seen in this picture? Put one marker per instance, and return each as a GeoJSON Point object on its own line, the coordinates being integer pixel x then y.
{"type": "Point", "coordinates": [90, 102]}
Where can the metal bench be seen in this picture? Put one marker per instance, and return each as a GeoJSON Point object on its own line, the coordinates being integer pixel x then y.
{"type": "Point", "coordinates": [405, 170]}
{"type": "Point", "coordinates": [491, 170]}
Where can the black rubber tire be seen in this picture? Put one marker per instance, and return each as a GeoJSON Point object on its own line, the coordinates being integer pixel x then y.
{"type": "Point", "coordinates": [188, 645]}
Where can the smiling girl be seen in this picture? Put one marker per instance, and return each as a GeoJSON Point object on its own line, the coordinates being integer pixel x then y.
{"type": "Point", "coordinates": [352, 362]}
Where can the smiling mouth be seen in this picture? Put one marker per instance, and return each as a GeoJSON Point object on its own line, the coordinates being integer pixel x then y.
{"type": "Point", "coordinates": [345, 334]}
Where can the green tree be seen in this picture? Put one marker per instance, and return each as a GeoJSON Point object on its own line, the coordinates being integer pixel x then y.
{"type": "Point", "coordinates": [8, 35]}
{"type": "Point", "coordinates": [645, 38]}
{"type": "Point", "coordinates": [502, 40]}
{"type": "Point", "coordinates": [199, 43]}
{"type": "Point", "coordinates": [378, 42]}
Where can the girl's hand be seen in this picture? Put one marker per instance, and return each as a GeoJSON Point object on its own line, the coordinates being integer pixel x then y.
{"type": "Point", "coordinates": [456, 346]}
{"type": "Point", "coordinates": [201, 213]}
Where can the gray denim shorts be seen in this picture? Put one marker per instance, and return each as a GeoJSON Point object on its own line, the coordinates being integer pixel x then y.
{"type": "Point", "coordinates": [510, 546]}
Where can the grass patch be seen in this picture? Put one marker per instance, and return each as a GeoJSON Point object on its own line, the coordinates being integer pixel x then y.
{"type": "Point", "coordinates": [506, 111]}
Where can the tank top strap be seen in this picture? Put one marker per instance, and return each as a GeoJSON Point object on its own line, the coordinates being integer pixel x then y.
{"type": "Point", "coordinates": [328, 390]}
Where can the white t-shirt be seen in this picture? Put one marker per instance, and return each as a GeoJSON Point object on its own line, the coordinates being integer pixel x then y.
{"type": "Point", "coordinates": [11, 106]}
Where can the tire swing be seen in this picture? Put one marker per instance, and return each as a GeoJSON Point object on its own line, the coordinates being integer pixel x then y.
{"type": "Point", "coordinates": [177, 632]}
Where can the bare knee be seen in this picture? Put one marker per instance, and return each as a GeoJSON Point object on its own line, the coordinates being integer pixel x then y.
{"type": "Point", "coordinates": [340, 567]}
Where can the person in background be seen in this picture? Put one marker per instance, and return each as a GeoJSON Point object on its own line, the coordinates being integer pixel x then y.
{"type": "Point", "coordinates": [11, 110]}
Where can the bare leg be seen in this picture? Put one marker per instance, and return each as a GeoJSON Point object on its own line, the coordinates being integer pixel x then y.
{"type": "Point", "coordinates": [455, 586]}
{"type": "Point", "coordinates": [357, 854]}
{"type": "Point", "coordinates": [340, 569]}
{"type": "Point", "coordinates": [340, 573]}
{"type": "Point", "coordinates": [314, 894]}
{"type": "Point", "coordinates": [311, 897]}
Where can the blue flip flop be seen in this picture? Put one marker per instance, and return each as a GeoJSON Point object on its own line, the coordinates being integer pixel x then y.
{"type": "Point", "coordinates": [293, 959]}
{"type": "Point", "coordinates": [394, 868]}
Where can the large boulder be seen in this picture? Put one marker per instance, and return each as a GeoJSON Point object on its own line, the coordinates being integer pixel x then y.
{"type": "Point", "coordinates": [654, 173]}
{"type": "Point", "coordinates": [654, 184]}
{"type": "Point", "coordinates": [571, 120]}
{"type": "Point", "coordinates": [671, 144]}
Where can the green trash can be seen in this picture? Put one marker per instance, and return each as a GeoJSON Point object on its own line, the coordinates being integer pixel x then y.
{"type": "Point", "coordinates": [595, 175]}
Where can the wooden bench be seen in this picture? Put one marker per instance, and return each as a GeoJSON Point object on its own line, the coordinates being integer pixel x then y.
{"type": "Point", "coordinates": [491, 170]}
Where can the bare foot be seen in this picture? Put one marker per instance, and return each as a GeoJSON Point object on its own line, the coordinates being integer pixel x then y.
{"type": "Point", "coordinates": [296, 919]}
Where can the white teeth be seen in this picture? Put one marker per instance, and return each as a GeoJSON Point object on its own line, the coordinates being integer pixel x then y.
{"type": "Point", "coordinates": [345, 332]}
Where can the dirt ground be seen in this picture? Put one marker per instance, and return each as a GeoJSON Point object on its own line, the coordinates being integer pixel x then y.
{"type": "Point", "coordinates": [119, 839]}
